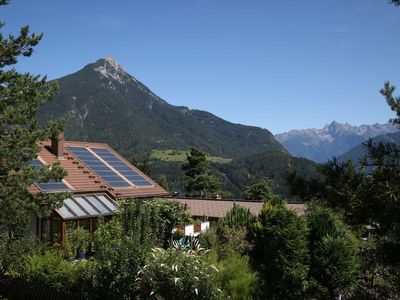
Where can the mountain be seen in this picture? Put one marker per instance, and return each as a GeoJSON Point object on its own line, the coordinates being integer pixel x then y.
{"type": "Point", "coordinates": [333, 140]}
{"type": "Point", "coordinates": [359, 151]}
{"type": "Point", "coordinates": [106, 104]}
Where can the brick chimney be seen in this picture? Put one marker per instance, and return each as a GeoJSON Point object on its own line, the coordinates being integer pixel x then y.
{"type": "Point", "coordinates": [57, 145]}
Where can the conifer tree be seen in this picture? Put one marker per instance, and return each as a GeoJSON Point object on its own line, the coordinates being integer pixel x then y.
{"type": "Point", "coordinates": [199, 179]}
{"type": "Point", "coordinates": [21, 95]}
{"type": "Point", "coordinates": [280, 253]}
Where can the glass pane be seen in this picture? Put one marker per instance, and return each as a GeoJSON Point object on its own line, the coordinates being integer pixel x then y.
{"type": "Point", "coordinates": [56, 231]}
{"type": "Point", "coordinates": [99, 205]}
{"type": "Point", "coordinates": [108, 202]}
{"type": "Point", "coordinates": [86, 205]}
{"type": "Point", "coordinates": [64, 212]}
{"type": "Point", "coordinates": [46, 230]}
{"type": "Point", "coordinates": [74, 207]}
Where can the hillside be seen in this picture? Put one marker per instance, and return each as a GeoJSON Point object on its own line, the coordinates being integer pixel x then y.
{"type": "Point", "coordinates": [104, 103]}
{"type": "Point", "coordinates": [241, 171]}
{"type": "Point", "coordinates": [333, 140]}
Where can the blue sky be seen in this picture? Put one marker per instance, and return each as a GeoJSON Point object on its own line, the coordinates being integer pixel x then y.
{"type": "Point", "coordinates": [276, 64]}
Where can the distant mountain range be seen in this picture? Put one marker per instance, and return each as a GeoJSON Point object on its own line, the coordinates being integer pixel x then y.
{"type": "Point", "coordinates": [334, 139]}
{"type": "Point", "coordinates": [360, 151]}
{"type": "Point", "coordinates": [106, 104]}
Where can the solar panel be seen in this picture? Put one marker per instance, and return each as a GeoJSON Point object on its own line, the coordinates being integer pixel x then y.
{"type": "Point", "coordinates": [98, 167]}
{"type": "Point", "coordinates": [121, 167]}
{"type": "Point", "coordinates": [51, 186]}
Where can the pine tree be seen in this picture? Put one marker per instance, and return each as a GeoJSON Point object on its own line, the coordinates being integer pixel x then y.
{"type": "Point", "coordinates": [21, 95]}
{"type": "Point", "coordinates": [334, 254]}
{"type": "Point", "coordinates": [199, 179]}
{"type": "Point", "coordinates": [280, 253]}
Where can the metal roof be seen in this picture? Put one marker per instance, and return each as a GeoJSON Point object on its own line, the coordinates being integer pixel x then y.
{"type": "Point", "coordinates": [87, 206]}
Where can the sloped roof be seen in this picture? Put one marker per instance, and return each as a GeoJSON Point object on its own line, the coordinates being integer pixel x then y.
{"type": "Point", "coordinates": [87, 206]}
{"type": "Point", "coordinates": [214, 208]}
{"type": "Point", "coordinates": [81, 179]}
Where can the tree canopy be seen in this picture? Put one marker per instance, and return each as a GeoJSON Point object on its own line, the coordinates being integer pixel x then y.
{"type": "Point", "coordinates": [199, 180]}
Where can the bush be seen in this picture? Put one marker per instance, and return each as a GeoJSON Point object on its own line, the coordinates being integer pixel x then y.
{"type": "Point", "coordinates": [334, 253]}
{"type": "Point", "coordinates": [118, 258]}
{"type": "Point", "coordinates": [49, 269]}
{"type": "Point", "coordinates": [150, 223]}
{"type": "Point", "coordinates": [238, 217]}
{"type": "Point", "coordinates": [280, 253]}
{"type": "Point", "coordinates": [237, 279]}
{"type": "Point", "coordinates": [76, 240]}
{"type": "Point", "coordinates": [176, 274]}
{"type": "Point", "coordinates": [232, 241]}
{"type": "Point", "coordinates": [13, 254]}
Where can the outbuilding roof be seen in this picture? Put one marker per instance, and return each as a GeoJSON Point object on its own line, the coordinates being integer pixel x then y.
{"type": "Point", "coordinates": [216, 208]}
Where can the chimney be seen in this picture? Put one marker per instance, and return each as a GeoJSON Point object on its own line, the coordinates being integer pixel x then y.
{"type": "Point", "coordinates": [57, 145]}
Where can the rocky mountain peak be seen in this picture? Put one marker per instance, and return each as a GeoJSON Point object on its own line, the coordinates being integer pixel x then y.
{"type": "Point", "coordinates": [110, 69]}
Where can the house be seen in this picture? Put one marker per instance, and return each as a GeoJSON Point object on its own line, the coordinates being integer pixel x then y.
{"type": "Point", "coordinates": [97, 178]}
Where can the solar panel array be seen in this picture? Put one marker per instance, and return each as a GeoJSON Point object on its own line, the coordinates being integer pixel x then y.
{"type": "Point", "coordinates": [97, 166]}
{"type": "Point", "coordinates": [121, 167]}
{"type": "Point", "coordinates": [51, 186]}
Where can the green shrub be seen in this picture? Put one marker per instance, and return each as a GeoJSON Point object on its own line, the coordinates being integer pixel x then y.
{"type": "Point", "coordinates": [49, 269]}
{"type": "Point", "coordinates": [334, 253]}
{"type": "Point", "coordinates": [76, 240]}
{"type": "Point", "coordinates": [238, 280]}
{"type": "Point", "coordinates": [118, 258]}
{"type": "Point", "coordinates": [176, 274]}
{"type": "Point", "coordinates": [238, 217]}
{"type": "Point", "coordinates": [12, 255]}
{"type": "Point", "coordinates": [150, 223]}
{"type": "Point", "coordinates": [280, 253]}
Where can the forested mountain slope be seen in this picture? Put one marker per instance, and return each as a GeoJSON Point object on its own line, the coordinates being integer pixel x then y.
{"type": "Point", "coordinates": [104, 103]}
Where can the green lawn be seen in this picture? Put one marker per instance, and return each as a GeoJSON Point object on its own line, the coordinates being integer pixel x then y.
{"type": "Point", "coordinates": [180, 156]}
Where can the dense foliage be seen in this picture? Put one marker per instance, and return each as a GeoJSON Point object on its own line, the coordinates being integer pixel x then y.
{"type": "Point", "coordinates": [334, 262]}
{"type": "Point", "coordinates": [280, 253]}
{"type": "Point", "coordinates": [169, 274]}
{"type": "Point", "coordinates": [199, 180]}
{"type": "Point", "coordinates": [248, 170]}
